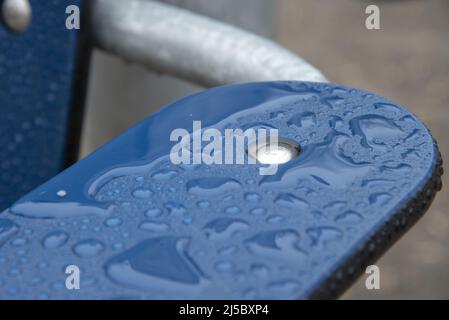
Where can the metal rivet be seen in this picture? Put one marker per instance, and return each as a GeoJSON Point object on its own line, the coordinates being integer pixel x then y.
{"type": "Point", "coordinates": [282, 152]}
{"type": "Point", "coordinates": [17, 14]}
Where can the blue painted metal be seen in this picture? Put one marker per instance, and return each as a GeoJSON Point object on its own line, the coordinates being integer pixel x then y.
{"type": "Point", "coordinates": [40, 99]}
{"type": "Point", "coordinates": [139, 226]}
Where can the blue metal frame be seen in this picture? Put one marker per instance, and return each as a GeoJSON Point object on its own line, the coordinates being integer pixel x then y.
{"type": "Point", "coordinates": [139, 226]}
{"type": "Point", "coordinates": [42, 80]}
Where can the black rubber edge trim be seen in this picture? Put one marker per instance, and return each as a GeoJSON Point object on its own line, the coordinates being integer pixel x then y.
{"type": "Point", "coordinates": [379, 243]}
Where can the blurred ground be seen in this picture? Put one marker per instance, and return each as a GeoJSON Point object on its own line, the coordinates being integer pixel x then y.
{"type": "Point", "coordinates": [408, 62]}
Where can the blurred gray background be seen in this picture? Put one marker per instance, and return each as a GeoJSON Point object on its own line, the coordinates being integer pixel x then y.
{"type": "Point", "coordinates": [406, 61]}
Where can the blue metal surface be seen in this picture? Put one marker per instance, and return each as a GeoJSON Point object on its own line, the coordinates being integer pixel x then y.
{"type": "Point", "coordinates": [140, 227]}
{"type": "Point", "coordinates": [37, 72]}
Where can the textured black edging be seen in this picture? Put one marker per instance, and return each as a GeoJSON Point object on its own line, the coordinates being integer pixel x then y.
{"type": "Point", "coordinates": [379, 243]}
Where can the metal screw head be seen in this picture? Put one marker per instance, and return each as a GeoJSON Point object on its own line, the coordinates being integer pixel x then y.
{"type": "Point", "coordinates": [17, 14]}
{"type": "Point", "coordinates": [282, 152]}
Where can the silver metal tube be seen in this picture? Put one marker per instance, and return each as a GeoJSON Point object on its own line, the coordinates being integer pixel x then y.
{"type": "Point", "coordinates": [171, 40]}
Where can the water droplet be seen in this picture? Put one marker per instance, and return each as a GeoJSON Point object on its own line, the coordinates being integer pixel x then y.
{"type": "Point", "coordinates": [250, 294]}
{"type": "Point", "coordinates": [284, 289]}
{"type": "Point", "coordinates": [324, 163]}
{"type": "Point", "coordinates": [260, 270]}
{"type": "Point", "coordinates": [159, 266]}
{"type": "Point", "coordinates": [113, 222]}
{"type": "Point", "coordinates": [224, 266]}
{"type": "Point", "coordinates": [333, 102]}
{"type": "Point", "coordinates": [203, 204]}
{"type": "Point", "coordinates": [324, 235]}
{"type": "Point", "coordinates": [290, 201]}
{"type": "Point", "coordinates": [18, 242]}
{"type": "Point", "coordinates": [303, 120]}
{"type": "Point", "coordinates": [282, 245]}
{"type": "Point", "coordinates": [275, 219]}
{"type": "Point", "coordinates": [61, 193]}
{"type": "Point", "coordinates": [252, 197]}
{"type": "Point", "coordinates": [55, 239]}
{"type": "Point", "coordinates": [227, 250]}
{"type": "Point", "coordinates": [165, 174]}
{"type": "Point", "coordinates": [401, 168]}
{"type": "Point", "coordinates": [232, 210]}
{"type": "Point", "coordinates": [55, 210]}
{"type": "Point", "coordinates": [7, 230]}
{"type": "Point", "coordinates": [88, 248]}
{"type": "Point", "coordinates": [187, 220]}
{"type": "Point", "coordinates": [142, 193]}
{"type": "Point", "coordinates": [36, 280]}
{"type": "Point", "coordinates": [336, 123]}
{"type": "Point", "coordinates": [410, 153]}
{"type": "Point", "coordinates": [387, 108]}
{"type": "Point", "coordinates": [153, 213]}
{"type": "Point", "coordinates": [257, 211]}
{"type": "Point", "coordinates": [381, 198]}
{"type": "Point", "coordinates": [212, 186]}
{"type": "Point", "coordinates": [14, 272]}
{"type": "Point", "coordinates": [373, 182]}
{"type": "Point", "coordinates": [349, 217]}
{"type": "Point", "coordinates": [153, 226]}
{"type": "Point", "coordinates": [224, 228]}
{"type": "Point", "coordinates": [374, 129]}
{"type": "Point", "coordinates": [277, 114]}
{"type": "Point", "coordinates": [227, 198]}
{"type": "Point", "coordinates": [336, 205]}
{"type": "Point", "coordinates": [175, 209]}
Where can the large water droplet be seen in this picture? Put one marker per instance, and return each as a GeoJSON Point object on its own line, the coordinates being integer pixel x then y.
{"type": "Point", "coordinates": [374, 129]}
{"type": "Point", "coordinates": [55, 210]}
{"type": "Point", "coordinates": [212, 186]}
{"type": "Point", "coordinates": [159, 266]}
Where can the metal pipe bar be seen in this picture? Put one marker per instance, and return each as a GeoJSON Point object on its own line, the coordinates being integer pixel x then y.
{"type": "Point", "coordinates": [171, 40]}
